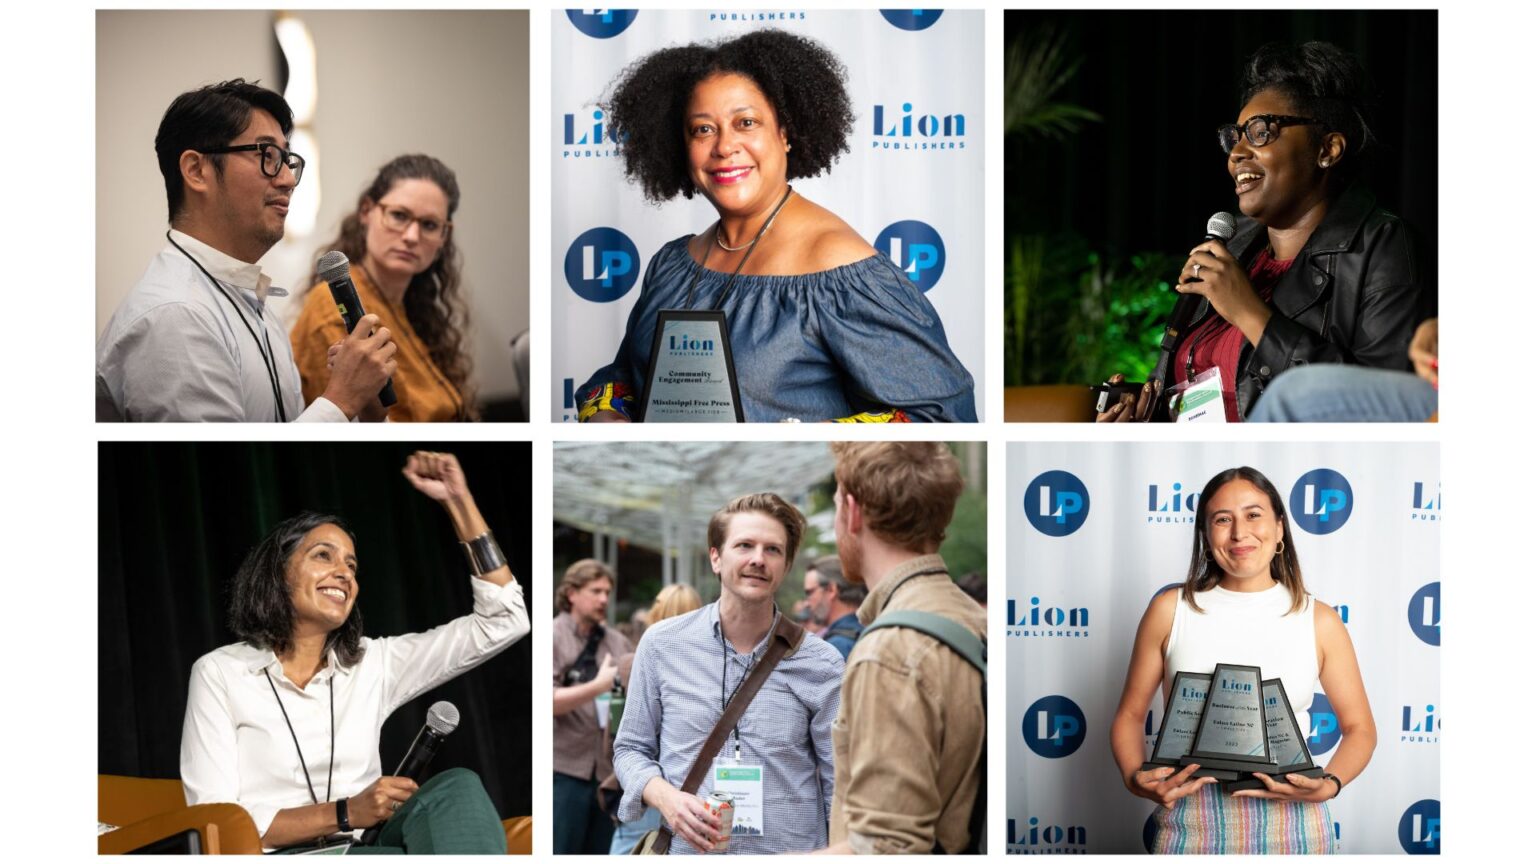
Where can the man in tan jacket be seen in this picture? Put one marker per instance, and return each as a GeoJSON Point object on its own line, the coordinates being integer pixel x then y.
{"type": "Point", "coordinates": [909, 738]}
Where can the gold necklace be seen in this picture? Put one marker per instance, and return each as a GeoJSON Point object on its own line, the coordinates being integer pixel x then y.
{"type": "Point", "coordinates": [771, 218]}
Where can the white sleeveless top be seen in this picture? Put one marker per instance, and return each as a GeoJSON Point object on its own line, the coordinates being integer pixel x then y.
{"type": "Point", "coordinates": [1249, 629]}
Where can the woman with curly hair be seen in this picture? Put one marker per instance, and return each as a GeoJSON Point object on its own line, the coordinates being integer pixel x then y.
{"type": "Point", "coordinates": [406, 269]}
{"type": "Point", "coordinates": [286, 722]}
{"type": "Point", "coordinates": [821, 326]}
{"type": "Point", "coordinates": [1317, 271]}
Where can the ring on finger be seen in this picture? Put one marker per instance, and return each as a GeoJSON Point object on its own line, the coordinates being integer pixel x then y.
{"type": "Point", "coordinates": [1197, 271]}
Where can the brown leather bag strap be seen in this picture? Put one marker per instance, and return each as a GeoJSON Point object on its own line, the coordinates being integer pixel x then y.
{"type": "Point", "coordinates": [787, 636]}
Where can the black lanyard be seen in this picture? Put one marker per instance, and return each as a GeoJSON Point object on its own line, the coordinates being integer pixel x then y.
{"type": "Point", "coordinates": [266, 358]}
{"type": "Point", "coordinates": [720, 301]}
{"type": "Point", "coordinates": [330, 771]}
{"type": "Point", "coordinates": [724, 658]}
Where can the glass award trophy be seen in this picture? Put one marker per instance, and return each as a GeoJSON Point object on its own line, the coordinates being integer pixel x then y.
{"type": "Point", "coordinates": [692, 377]}
{"type": "Point", "coordinates": [1232, 734]}
{"type": "Point", "coordinates": [1287, 743]}
{"type": "Point", "coordinates": [1181, 717]}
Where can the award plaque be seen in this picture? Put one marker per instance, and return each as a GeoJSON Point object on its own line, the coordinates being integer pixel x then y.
{"type": "Point", "coordinates": [692, 378]}
{"type": "Point", "coordinates": [1232, 735]}
{"type": "Point", "coordinates": [1181, 717]}
{"type": "Point", "coordinates": [1287, 743]}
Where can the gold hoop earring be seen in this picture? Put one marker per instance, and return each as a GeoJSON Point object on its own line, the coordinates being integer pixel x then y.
{"type": "Point", "coordinates": [1280, 547]}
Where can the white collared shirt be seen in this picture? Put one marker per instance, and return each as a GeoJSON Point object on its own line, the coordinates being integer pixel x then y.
{"type": "Point", "coordinates": [235, 744]}
{"type": "Point", "coordinates": [180, 348]}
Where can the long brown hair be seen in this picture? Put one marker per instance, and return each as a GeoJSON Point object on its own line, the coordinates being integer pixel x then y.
{"type": "Point", "coordinates": [433, 304]}
{"type": "Point", "coordinates": [1283, 568]}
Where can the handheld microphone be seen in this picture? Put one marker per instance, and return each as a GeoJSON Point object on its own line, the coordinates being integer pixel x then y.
{"type": "Point", "coordinates": [333, 268]}
{"type": "Point", "coordinates": [442, 719]}
{"type": "Point", "coordinates": [1221, 227]}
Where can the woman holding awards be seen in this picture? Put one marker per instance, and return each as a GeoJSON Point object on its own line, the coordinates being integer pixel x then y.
{"type": "Point", "coordinates": [1317, 271]}
{"type": "Point", "coordinates": [821, 327]}
{"type": "Point", "coordinates": [286, 723]}
{"type": "Point", "coordinates": [1243, 602]}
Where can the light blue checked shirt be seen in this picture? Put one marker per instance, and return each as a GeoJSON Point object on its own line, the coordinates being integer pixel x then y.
{"type": "Point", "coordinates": [673, 701]}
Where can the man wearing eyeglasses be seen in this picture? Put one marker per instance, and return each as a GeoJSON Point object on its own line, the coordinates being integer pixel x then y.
{"type": "Point", "coordinates": [833, 603]}
{"type": "Point", "coordinates": [195, 339]}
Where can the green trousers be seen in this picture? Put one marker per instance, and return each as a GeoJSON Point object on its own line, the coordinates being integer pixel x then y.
{"type": "Point", "coordinates": [449, 815]}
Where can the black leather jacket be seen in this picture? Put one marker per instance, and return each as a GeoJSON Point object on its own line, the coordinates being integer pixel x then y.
{"type": "Point", "coordinates": [1352, 296]}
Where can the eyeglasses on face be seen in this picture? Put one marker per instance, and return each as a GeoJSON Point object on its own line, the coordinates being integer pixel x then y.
{"type": "Point", "coordinates": [399, 219]}
{"type": "Point", "coordinates": [1260, 129]}
{"type": "Point", "coordinates": [273, 158]}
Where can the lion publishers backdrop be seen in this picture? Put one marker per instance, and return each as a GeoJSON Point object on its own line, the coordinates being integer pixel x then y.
{"type": "Point", "coordinates": [1095, 531]}
{"type": "Point", "coordinates": [910, 183]}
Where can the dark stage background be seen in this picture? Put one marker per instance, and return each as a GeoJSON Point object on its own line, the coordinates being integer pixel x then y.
{"type": "Point", "coordinates": [175, 521]}
{"type": "Point", "coordinates": [1141, 181]}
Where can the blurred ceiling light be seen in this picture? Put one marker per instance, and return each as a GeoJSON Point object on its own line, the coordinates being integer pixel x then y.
{"type": "Point", "coordinates": [304, 207]}
{"type": "Point", "coordinates": [302, 92]}
{"type": "Point", "coordinates": [298, 48]}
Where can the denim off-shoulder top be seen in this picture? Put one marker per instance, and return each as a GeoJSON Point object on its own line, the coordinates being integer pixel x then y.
{"type": "Point", "coordinates": [858, 341]}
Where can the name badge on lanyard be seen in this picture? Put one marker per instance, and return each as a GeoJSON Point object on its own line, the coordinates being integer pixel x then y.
{"type": "Point", "coordinates": [744, 781]}
{"type": "Point", "coordinates": [1199, 399]}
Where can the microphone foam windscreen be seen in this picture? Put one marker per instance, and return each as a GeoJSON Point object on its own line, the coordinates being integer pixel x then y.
{"type": "Point", "coordinates": [333, 264]}
{"type": "Point", "coordinates": [1219, 225]}
{"type": "Point", "coordinates": [442, 717]}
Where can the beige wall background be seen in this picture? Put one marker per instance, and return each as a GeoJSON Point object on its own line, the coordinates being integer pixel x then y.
{"type": "Point", "coordinates": [450, 84]}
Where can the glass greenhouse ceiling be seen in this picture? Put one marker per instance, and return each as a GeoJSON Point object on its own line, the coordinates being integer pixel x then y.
{"type": "Point", "coordinates": [638, 490]}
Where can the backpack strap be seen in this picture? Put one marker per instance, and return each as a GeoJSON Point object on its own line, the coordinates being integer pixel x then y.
{"type": "Point", "coordinates": [958, 637]}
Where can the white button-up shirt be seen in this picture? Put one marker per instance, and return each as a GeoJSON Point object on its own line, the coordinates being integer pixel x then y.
{"type": "Point", "coordinates": [176, 348]}
{"type": "Point", "coordinates": [236, 748]}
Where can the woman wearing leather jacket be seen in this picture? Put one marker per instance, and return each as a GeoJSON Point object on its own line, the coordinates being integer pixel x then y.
{"type": "Point", "coordinates": [1316, 271]}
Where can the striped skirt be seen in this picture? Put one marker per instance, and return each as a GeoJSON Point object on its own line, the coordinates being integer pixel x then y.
{"type": "Point", "coordinates": [1209, 822]}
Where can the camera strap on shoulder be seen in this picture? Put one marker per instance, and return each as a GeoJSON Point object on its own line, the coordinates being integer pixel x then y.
{"type": "Point", "coordinates": [786, 638]}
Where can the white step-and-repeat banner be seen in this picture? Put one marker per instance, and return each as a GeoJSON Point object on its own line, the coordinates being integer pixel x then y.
{"type": "Point", "coordinates": [1096, 530]}
{"type": "Point", "coordinates": [911, 183]}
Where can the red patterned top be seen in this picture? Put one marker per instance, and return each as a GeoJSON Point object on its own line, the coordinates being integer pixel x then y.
{"type": "Point", "coordinates": [1216, 343]}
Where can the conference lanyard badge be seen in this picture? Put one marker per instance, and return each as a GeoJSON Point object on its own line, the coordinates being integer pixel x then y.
{"type": "Point", "coordinates": [1199, 399]}
{"type": "Point", "coordinates": [744, 782]}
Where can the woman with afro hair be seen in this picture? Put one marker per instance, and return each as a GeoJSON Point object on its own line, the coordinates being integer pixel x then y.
{"type": "Point", "coordinates": [822, 327]}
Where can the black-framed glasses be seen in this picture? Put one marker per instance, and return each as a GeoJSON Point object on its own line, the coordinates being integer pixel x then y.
{"type": "Point", "coordinates": [273, 158]}
{"type": "Point", "coordinates": [398, 219]}
{"type": "Point", "coordinates": [1259, 130]}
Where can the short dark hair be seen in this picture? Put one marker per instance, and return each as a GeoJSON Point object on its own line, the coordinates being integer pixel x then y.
{"type": "Point", "coordinates": [206, 118]}
{"type": "Point", "coordinates": [829, 571]}
{"type": "Point", "coordinates": [261, 605]}
{"type": "Point", "coordinates": [1204, 575]}
{"type": "Point", "coordinates": [1321, 81]}
{"type": "Point", "coordinates": [802, 79]}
